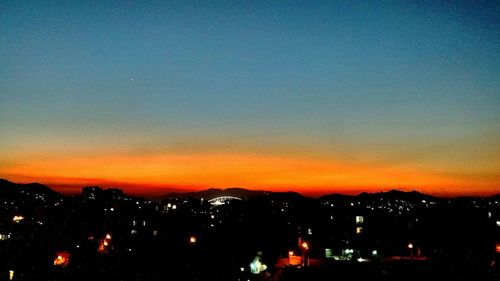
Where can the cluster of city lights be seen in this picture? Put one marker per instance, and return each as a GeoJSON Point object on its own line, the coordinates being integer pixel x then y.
{"type": "Point", "coordinates": [17, 218]}
{"type": "Point", "coordinates": [104, 244]}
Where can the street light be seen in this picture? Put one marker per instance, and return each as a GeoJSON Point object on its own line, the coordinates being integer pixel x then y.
{"type": "Point", "coordinates": [410, 247]}
{"type": "Point", "coordinates": [305, 246]}
{"type": "Point", "coordinates": [192, 239]}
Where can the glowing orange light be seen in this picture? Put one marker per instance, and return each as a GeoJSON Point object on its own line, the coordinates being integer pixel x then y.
{"type": "Point", "coordinates": [192, 239]}
{"type": "Point", "coordinates": [290, 253]}
{"type": "Point", "coordinates": [104, 243]}
{"type": "Point", "coordinates": [305, 245]}
{"type": "Point", "coordinates": [101, 248]}
{"type": "Point", "coordinates": [497, 248]}
{"type": "Point", "coordinates": [410, 246]}
{"type": "Point", "coordinates": [62, 259]}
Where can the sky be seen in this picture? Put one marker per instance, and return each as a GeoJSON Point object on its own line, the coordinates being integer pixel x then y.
{"type": "Point", "coordinates": [309, 96]}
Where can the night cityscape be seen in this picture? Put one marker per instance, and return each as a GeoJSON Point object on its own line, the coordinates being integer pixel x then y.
{"type": "Point", "coordinates": [237, 234]}
{"type": "Point", "coordinates": [249, 140]}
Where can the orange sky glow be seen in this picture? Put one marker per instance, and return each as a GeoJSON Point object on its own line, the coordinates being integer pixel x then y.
{"type": "Point", "coordinates": [161, 173]}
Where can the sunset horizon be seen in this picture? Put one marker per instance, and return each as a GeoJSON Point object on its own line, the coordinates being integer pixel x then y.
{"type": "Point", "coordinates": [160, 190]}
{"type": "Point", "coordinates": [311, 97]}
{"type": "Point", "coordinates": [249, 140]}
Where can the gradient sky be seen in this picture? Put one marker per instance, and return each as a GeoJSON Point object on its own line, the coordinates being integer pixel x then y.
{"type": "Point", "coordinates": [310, 96]}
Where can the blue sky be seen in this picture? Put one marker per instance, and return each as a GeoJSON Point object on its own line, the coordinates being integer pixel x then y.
{"type": "Point", "coordinates": [352, 80]}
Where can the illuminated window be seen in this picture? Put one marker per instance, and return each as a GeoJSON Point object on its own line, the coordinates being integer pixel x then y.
{"type": "Point", "coordinates": [4, 236]}
{"type": "Point", "coordinates": [360, 219]}
{"type": "Point", "coordinates": [328, 253]}
{"type": "Point", "coordinates": [359, 229]}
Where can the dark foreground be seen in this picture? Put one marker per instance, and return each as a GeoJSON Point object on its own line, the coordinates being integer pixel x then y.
{"type": "Point", "coordinates": [107, 235]}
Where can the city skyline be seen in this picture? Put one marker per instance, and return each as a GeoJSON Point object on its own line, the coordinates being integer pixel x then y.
{"type": "Point", "coordinates": [312, 97]}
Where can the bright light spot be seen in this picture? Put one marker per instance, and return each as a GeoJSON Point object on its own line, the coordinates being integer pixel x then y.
{"type": "Point", "coordinates": [410, 246]}
{"type": "Point", "coordinates": [212, 216]}
{"type": "Point", "coordinates": [217, 203]}
{"type": "Point", "coordinates": [192, 239]}
{"type": "Point", "coordinates": [497, 248]}
{"type": "Point", "coordinates": [174, 207]}
{"type": "Point", "coordinates": [78, 246]}
{"type": "Point", "coordinates": [290, 253]}
{"type": "Point", "coordinates": [105, 243]}
{"type": "Point", "coordinates": [11, 274]}
{"type": "Point", "coordinates": [17, 219]}
{"type": "Point", "coordinates": [62, 259]}
{"type": "Point", "coordinates": [169, 205]}
{"type": "Point", "coordinates": [498, 223]}
{"type": "Point", "coordinates": [359, 229]}
{"type": "Point", "coordinates": [360, 219]}
{"type": "Point", "coordinates": [305, 245]}
{"type": "Point", "coordinates": [242, 269]}
{"type": "Point", "coordinates": [108, 236]}
{"type": "Point", "coordinates": [374, 252]}
{"type": "Point", "coordinates": [349, 251]}
{"type": "Point", "coordinates": [257, 267]}
{"type": "Point", "coordinates": [362, 260]}
{"type": "Point", "coordinates": [309, 231]}
{"type": "Point", "coordinates": [112, 209]}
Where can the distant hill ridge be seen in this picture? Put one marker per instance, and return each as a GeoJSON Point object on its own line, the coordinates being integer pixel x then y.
{"type": "Point", "coordinates": [8, 188]}
{"type": "Point", "coordinates": [11, 188]}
